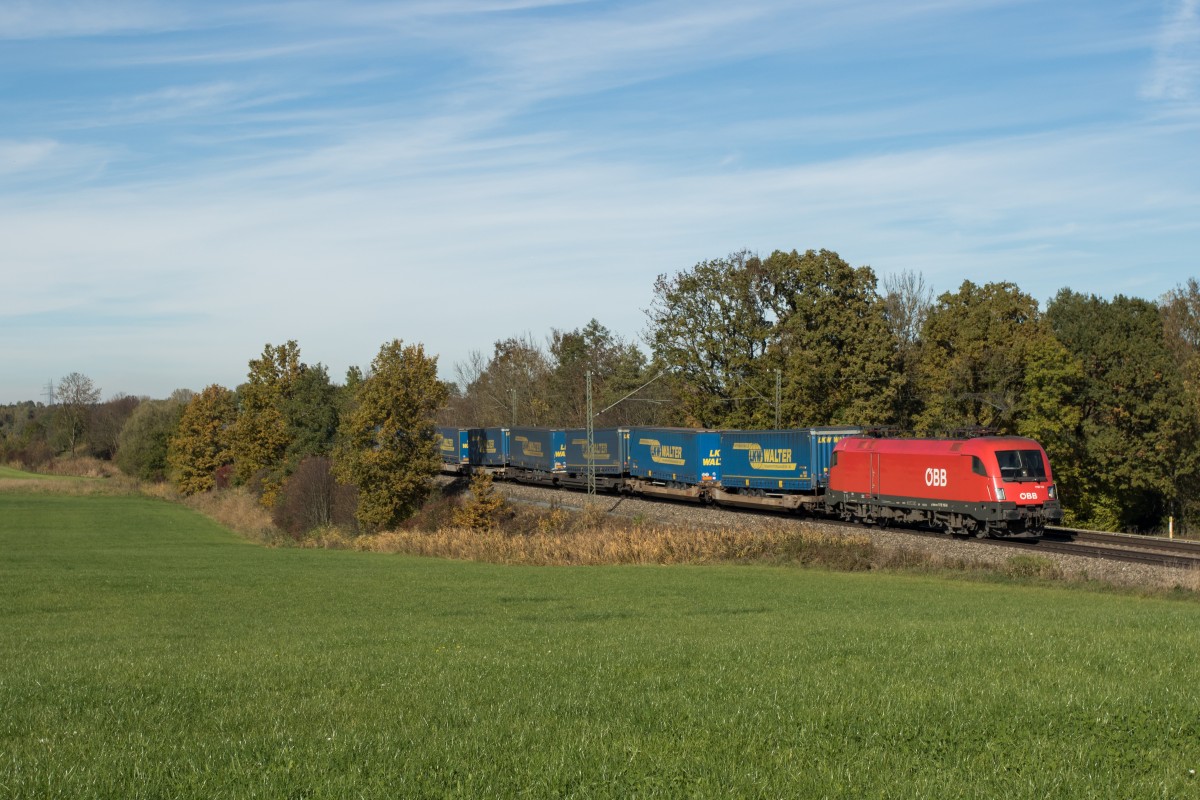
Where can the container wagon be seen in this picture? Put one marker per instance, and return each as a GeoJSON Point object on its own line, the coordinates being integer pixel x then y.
{"type": "Point", "coordinates": [682, 463]}
{"type": "Point", "coordinates": [487, 449]}
{"type": "Point", "coordinates": [537, 455]}
{"type": "Point", "coordinates": [454, 448]}
{"type": "Point", "coordinates": [779, 469]}
{"type": "Point", "coordinates": [608, 458]}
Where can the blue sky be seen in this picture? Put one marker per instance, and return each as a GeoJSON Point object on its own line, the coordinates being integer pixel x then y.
{"type": "Point", "coordinates": [182, 183]}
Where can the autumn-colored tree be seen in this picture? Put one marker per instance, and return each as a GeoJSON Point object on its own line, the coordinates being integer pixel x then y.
{"type": "Point", "coordinates": [508, 388]}
{"type": "Point", "coordinates": [200, 444]}
{"type": "Point", "coordinates": [287, 410]}
{"type": "Point", "coordinates": [259, 437]}
{"type": "Point", "coordinates": [386, 445]}
{"type": "Point", "coordinates": [483, 510]}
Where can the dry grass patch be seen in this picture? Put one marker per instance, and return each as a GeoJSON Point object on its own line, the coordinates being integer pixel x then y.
{"type": "Point", "coordinates": [237, 509]}
{"type": "Point", "coordinates": [605, 545]}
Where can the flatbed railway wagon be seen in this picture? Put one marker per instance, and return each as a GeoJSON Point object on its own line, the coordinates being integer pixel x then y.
{"type": "Point", "coordinates": [986, 486]}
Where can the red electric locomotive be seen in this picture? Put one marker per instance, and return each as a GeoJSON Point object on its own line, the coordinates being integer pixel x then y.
{"type": "Point", "coordinates": [986, 486]}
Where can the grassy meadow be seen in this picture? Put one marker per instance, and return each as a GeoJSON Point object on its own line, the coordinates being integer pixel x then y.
{"type": "Point", "coordinates": [145, 651]}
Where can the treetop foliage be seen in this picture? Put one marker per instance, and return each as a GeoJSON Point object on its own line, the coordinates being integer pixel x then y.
{"type": "Point", "coordinates": [387, 446]}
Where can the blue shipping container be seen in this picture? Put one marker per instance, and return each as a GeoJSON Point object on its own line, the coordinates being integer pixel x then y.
{"type": "Point", "coordinates": [453, 445]}
{"type": "Point", "coordinates": [608, 457]}
{"type": "Point", "coordinates": [784, 460]}
{"type": "Point", "coordinates": [541, 449]}
{"type": "Point", "coordinates": [488, 447]}
{"type": "Point", "coordinates": [682, 455]}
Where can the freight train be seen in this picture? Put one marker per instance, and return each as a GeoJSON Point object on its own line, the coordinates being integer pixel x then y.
{"type": "Point", "coordinates": [982, 486]}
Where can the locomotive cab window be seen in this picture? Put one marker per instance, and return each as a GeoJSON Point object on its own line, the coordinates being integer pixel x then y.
{"type": "Point", "coordinates": [977, 466]}
{"type": "Point", "coordinates": [1021, 465]}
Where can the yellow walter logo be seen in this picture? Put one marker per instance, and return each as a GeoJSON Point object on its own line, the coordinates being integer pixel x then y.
{"type": "Point", "coordinates": [778, 459]}
{"type": "Point", "coordinates": [532, 449]}
{"type": "Point", "coordinates": [671, 455]}
{"type": "Point", "coordinates": [599, 449]}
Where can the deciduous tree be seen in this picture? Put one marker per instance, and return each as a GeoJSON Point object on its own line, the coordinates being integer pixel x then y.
{"type": "Point", "coordinates": [508, 388]}
{"type": "Point", "coordinates": [200, 444]}
{"type": "Point", "coordinates": [837, 351]}
{"type": "Point", "coordinates": [974, 348]}
{"type": "Point", "coordinates": [726, 326]}
{"type": "Point", "coordinates": [1137, 431]}
{"type": "Point", "coordinates": [617, 368]}
{"type": "Point", "coordinates": [107, 421]}
{"type": "Point", "coordinates": [287, 410]}
{"type": "Point", "coordinates": [907, 302]}
{"type": "Point", "coordinates": [145, 438]}
{"type": "Point", "coordinates": [712, 327]}
{"type": "Point", "coordinates": [76, 395]}
{"type": "Point", "coordinates": [387, 447]}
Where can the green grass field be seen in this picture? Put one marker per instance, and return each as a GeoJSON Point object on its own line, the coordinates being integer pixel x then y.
{"type": "Point", "coordinates": [10, 473]}
{"type": "Point", "coordinates": [147, 652]}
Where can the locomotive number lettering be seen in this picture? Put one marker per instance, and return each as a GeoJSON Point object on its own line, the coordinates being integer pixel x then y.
{"type": "Point", "coordinates": [935, 477]}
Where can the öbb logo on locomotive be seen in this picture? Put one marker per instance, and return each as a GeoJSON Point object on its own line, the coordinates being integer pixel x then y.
{"type": "Point", "coordinates": [935, 477]}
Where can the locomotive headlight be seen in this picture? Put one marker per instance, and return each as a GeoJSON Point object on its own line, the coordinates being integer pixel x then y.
{"type": "Point", "coordinates": [1000, 493]}
{"type": "Point", "coordinates": [1052, 491]}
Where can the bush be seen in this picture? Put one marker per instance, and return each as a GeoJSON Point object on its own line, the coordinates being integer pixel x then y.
{"type": "Point", "coordinates": [311, 498]}
{"type": "Point", "coordinates": [485, 509]}
{"type": "Point", "coordinates": [35, 455]}
{"type": "Point", "coordinates": [142, 445]}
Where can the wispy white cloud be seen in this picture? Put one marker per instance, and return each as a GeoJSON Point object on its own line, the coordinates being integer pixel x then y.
{"type": "Point", "coordinates": [1175, 74]}
{"type": "Point", "coordinates": [22, 156]}
{"type": "Point", "coordinates": [37, 19]}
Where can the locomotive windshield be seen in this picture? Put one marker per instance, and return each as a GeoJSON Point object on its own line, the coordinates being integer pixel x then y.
{"type": "Point", "coordinates": [1021, 465]}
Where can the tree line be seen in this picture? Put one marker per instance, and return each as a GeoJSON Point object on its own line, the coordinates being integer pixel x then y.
{"type": "Point", "coordinates": [1110, 387]}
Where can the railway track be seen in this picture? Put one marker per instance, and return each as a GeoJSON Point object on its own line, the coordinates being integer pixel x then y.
{"type": "Point", "coordinates": [1154, 550]}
